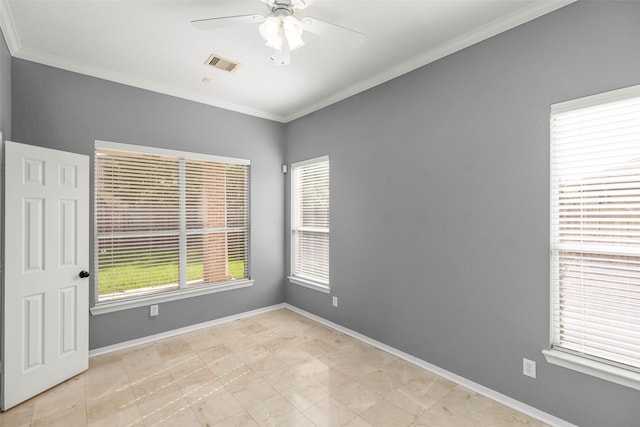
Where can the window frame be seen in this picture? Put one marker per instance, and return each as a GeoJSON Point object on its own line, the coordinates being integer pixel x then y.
{"type": "Point", "coordinates": [184, 291]}
{"type": "Point", "coordinates": [308, 282]}
{"type": "Point", "coordinates": [587, 364]}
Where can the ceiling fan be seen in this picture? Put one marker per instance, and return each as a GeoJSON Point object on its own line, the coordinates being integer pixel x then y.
{"type": "Point", "coordinates": [281, 29]}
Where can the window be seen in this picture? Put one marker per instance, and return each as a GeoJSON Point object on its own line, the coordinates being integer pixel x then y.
{"type": "Point", "coordinates": [168, 221]}
{"type": "Point", "coordinates": [310, 223]}
{"type": "Point", "coordinates": [595, 236]}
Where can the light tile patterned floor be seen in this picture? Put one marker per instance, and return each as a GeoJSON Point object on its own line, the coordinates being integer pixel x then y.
{"type": "Point", "coordinates": [273, 369]}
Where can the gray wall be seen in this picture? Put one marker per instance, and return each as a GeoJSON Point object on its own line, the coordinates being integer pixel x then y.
{"type": "Point", "coordinates": [440, 204]}
{"type": "Point", "coordinates": [439, 196]}
{"type": "Point", "coordinates": [67, 111]}
{"type": "Point", "coordinates": [5, 89]}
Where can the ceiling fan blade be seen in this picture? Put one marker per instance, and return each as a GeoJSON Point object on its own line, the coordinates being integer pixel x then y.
{"type": "Point", "coordinates": [226, 21]}
{"type": "Point", "coordinates": [327, 29]}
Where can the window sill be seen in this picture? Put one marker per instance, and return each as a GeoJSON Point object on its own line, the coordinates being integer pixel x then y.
{"type": "Point", "coordinates": [594, 368]}
{"type": "Point", "coordinates": [309, 284]}
{"type": "Point", "coordinates": [125, 304]}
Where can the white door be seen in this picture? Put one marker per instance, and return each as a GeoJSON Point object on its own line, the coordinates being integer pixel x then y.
{"type": "Point", "coordinates": [46, 246]}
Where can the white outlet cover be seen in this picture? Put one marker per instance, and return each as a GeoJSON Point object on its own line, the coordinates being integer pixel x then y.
{"type": "Point", "coordinates": [335, 301]}
{"type": "Point", "coordinates": [529, 368]}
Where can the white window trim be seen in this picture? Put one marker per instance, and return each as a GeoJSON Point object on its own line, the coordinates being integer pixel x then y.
{"type": "Point", "coordinates": [131, 148]}
{"type": "Point", "coordinates": [309, 284]}
{"type": "Point", "coordinates": [561, 357]}
{"type": "Point", "coordinates": [594, 368]}
{"type": "Point", "coordinates": [160, 297]}
{"type": "Point", "coordinates": [296, 280]}
{"type": "Point", "coordinates": [177, 294]}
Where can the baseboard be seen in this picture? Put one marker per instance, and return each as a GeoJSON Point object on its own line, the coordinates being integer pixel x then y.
{"type": "Point", "coordinates": [174, 332]}
{"type": "Point", "coordinates": [475, 387]}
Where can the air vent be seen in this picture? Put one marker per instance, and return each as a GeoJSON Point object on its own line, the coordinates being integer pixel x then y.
{"type": "Point", "coordinates": [221, 63]}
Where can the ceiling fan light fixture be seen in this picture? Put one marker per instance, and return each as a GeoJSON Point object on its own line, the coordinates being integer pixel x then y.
{"type": "Point", "coordinates": [293, 30]}
{"type": "Point", "coordinates": [275, 29]}
{"type": "Point", "coordinates": [271, 31]}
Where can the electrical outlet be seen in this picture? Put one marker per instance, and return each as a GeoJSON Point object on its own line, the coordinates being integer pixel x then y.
{"type": "Point", "coordinates": [529, 368]}
{"type": "Point", "coordinates": [153, 310]}
{"type": "Point", "coordinates": [335, 301]}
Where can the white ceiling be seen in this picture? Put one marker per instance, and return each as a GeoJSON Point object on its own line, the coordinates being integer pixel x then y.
{"type": "Point", "coordinates": [151, 44]}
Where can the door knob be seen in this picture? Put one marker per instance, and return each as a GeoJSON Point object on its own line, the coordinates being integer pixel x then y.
{"type": "Point", "coordinates": [84, 274]}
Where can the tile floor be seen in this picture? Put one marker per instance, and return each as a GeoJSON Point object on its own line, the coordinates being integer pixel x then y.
{"type": "Point", "coordinates": [273, 369]}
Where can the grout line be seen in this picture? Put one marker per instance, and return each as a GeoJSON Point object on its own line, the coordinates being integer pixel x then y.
{"type": "Point", "coordinates": [174, 332]}
{"type": "Point", "coordinates": [464, 382]}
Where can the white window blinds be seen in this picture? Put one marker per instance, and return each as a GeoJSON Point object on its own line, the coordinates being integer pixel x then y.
{"type": "Point", "coordinates": [310, 221]}
{"type": "Point", "coordinates": [595, 227]}
{"type": "Point", "coordinates": [165, 221]}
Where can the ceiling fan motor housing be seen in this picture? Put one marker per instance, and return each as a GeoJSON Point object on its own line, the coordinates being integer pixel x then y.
{"type": "Point", "coordinates": [290, 4]}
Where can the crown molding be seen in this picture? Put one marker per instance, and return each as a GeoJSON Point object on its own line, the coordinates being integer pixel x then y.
{"type": "Point", "coordinates": [8, 28]}
{"type": "Point", "coordinates": [16, 49]}
{"type": "Point", "coordinates": [521, 16]}
{"type": "Point", "coordinates": [128, 80]}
